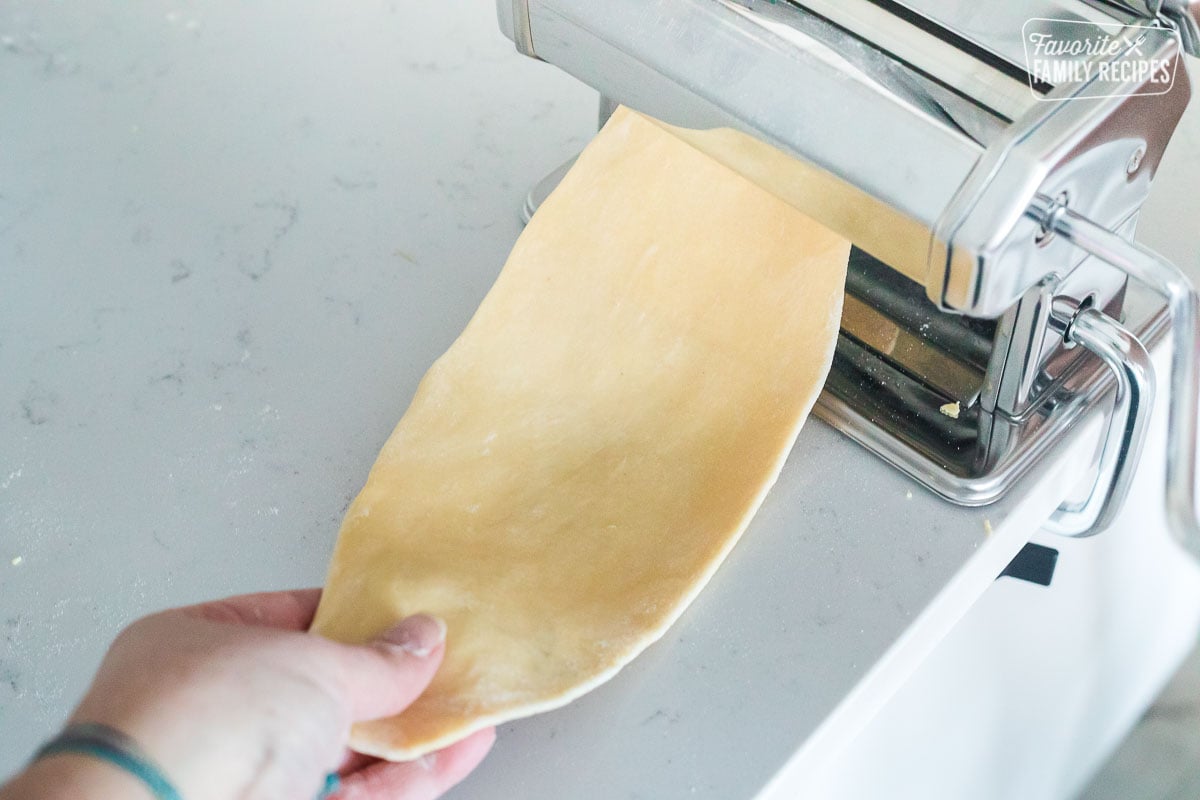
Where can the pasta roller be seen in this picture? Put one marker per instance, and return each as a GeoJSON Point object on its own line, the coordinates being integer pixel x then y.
{"type": "Point", "coordinates": [989, 173]}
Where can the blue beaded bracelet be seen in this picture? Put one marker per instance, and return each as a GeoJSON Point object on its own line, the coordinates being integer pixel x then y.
{"type": "Point", "coordinates": [109, 744]}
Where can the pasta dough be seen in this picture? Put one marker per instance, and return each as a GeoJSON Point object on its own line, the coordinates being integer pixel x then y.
{"type": "Point", "coordinates": [574, 468]}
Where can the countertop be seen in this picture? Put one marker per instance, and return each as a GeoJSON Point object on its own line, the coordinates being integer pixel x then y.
{"type": "Point", "coordinates": [232, 240]}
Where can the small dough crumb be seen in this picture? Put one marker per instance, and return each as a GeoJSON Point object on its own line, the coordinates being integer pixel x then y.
{"type": "Point", "coordinates": [987, 527]}
{"type": "Point", "coordinates": [951, 410]}
{"type": "Point", "coordinates": [16, 562]}
{"type": "Point", "coordinates": [908, 495]}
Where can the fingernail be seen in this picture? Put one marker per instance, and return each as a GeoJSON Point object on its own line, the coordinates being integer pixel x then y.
{"type": "Point", "coordinates": [417, 635]}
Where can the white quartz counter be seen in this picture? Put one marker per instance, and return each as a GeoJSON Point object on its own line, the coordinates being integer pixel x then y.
{"type": "Point", "coordinates": [232, 238]}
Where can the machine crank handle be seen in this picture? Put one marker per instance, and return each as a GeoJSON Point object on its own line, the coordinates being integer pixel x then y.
{"type": "Point", "coordinates": [1130, 364]}
{"type": "Point", "coordinates": [1184, 307]}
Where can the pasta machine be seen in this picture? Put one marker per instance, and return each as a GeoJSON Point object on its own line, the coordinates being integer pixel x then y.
{"type": "Point", "coordinates": [994, 292]}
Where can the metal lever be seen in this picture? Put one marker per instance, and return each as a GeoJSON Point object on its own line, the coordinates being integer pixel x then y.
{"type": "Point", "coordinates": [1184, 307]}
{"type": "Point", "coordinates": [1130, 364]}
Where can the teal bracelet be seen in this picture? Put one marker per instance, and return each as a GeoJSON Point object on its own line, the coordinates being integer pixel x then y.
{"type": "Point", "coordinates": [109, 744]}
{"type": "Point", "coordinates": [332, 783]}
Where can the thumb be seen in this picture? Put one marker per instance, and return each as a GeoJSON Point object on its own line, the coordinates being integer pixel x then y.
{"type": "Point", "coordinates": [382, 678]}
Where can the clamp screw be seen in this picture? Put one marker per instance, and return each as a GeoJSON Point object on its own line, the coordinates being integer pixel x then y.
{"type": "Point", "coordinates": [1135, 160]}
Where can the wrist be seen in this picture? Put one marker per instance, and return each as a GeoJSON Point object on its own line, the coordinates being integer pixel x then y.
{"type": "Point", "coordinates": [191, 747]}
{"type": "Point", "coordinates": [73, 776]}
{"type": "Point", "coordinates": [187, 759]}
{"type": "Point", "coordinates": [91, 756]}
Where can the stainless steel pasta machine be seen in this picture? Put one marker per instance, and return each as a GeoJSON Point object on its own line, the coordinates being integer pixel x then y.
{"type": "Point", "coordinates": [988, 160]}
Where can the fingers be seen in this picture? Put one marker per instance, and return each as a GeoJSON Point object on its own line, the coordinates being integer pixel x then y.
{"type": "Point", "coordinates": [383, 678]}
{"type": "Point", "coordinates": [290, 610]}
{"type": "Point", "coordinates": [424, 779]}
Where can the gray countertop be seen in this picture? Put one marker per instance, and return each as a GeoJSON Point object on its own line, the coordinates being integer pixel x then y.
{"type": "Point", "coordinates": [232, 240]}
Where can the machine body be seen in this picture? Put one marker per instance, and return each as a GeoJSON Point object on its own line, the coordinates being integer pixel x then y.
{"type": "Point", "coordinates": [921, 131]}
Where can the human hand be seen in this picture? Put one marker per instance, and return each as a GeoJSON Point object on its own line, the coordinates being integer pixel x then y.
{"type": "Point", "coordinates": [232, 699]}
